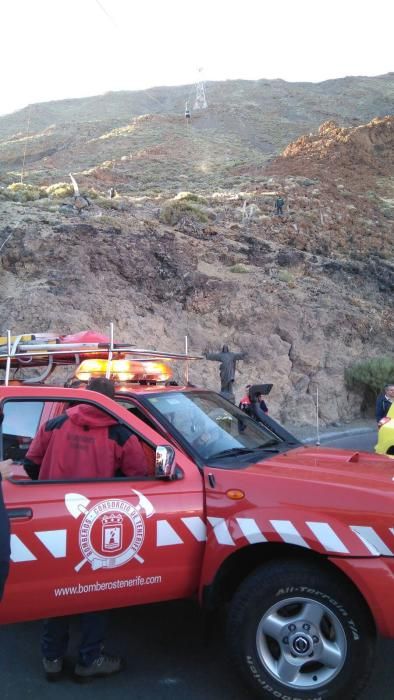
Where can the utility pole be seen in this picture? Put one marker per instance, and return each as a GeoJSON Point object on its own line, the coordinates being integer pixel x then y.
{"type": "Point", "coordinates": [25, 149]}
{"type": "Point", "coordinates": [201, 100]}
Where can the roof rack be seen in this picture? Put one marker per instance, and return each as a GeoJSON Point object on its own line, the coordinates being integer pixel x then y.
{"type": "Point", "coordinates": [50, 351]}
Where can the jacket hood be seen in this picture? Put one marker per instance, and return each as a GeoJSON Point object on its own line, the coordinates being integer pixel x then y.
{"type": "Point", "coordinates": [90, 416]}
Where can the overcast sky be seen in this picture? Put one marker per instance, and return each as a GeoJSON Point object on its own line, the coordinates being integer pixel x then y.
{"type": "Point", "coordinates": [53, 50]}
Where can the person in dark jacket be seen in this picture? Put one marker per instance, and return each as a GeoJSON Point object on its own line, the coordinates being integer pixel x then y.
{"type": "Point", "coordinates": [279, 204]}
{"type": "Point", "coordinates": [245, 403]}
{"type": "Point", "coordinates": [384, 402]}
{"type": "Point", "coordinates": [83, 443]}
{"type": "Point", "coordinates": [4, 529]}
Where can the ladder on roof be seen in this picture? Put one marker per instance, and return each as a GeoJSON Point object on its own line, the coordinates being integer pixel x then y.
{"type": "Point", "coordinates": [37, 350]}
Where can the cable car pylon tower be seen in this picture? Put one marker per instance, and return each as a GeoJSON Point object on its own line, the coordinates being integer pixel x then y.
{"type": "Point", "coordinates": [201, 100]}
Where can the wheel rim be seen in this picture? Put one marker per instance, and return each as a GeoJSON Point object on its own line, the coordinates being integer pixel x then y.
{"type": "Point", "coordinates": [301, 643]}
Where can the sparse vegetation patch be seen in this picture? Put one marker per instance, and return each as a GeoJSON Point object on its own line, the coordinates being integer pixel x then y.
{"type": "Point", "coordinates": [370, 375]}
{"type": "Point", "coordinates": [174, 209]}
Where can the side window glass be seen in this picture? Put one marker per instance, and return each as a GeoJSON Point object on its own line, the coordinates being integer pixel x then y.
{"type": "Point", "coordinates": [136, 411]}
{"type": "Point", "coordinates": [59, 440]}
{"type": "Point", "coordinates": [20, 423]}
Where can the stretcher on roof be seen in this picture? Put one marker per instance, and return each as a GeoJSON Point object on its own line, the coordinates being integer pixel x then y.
{"type": "Point", "coordinates": [49, 351]}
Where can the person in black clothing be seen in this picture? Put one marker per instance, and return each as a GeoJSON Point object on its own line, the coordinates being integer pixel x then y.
{"type": "Point", "coordinates": [279, 203]}
{"type": "Point", "coordinates": [384, 402]}
{"type": "Point", "coordinates": [4, 529]}
{"type": "Point", "coordinates": [246, 406]}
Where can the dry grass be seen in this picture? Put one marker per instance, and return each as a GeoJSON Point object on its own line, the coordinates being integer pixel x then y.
{"type": "Point", "coordinates": [174, 209]}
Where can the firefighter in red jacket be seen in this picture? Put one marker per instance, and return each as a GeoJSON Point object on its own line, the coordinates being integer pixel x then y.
{"type": "Point", "coordinates": [83, 443]}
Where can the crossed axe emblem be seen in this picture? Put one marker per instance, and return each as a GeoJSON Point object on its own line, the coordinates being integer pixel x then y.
{"type": "Point", "coordinates": [76, 505]}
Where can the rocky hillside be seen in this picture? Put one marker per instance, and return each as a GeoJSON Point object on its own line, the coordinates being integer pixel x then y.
{"type": "Point", "coordinates": [191, 245]}
{"type": "Point", "coordinates": [141, 141]}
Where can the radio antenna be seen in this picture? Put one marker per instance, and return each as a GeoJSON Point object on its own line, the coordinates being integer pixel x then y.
{"type": "Point", "coordinates": [317, 416]}
{"type": "Point", "coordinates": [187, 361]}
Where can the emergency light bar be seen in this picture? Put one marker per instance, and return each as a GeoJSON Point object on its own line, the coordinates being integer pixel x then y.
{"type": "Point", "coordinates": [124, 370]}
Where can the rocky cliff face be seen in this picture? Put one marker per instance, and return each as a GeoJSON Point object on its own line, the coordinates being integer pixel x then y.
{"type": "Point", "coordinates": [305, 294]}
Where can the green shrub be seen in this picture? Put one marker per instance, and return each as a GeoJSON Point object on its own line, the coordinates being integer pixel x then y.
{"type": "Point", "coordinates": [92, 193]}
{"type": "Point", "coordinates": [104, 203]}
{"type": "Point", "coordinates": [59, 190]}
{"type": "Point", "coordinates": [285, 276]}
{"type": "Point", "coordinates": [370, 375]}
{"type": "Point", "coordinates": [21, 192]}
{"type": "Point", "coordinates": [175, 209]}
{"type": "Point", "coordinates": [238, 268]}
{"type": "Point", "coordinates": [190, 197]}
{"type": "Point", "coordinates": [110, 221]}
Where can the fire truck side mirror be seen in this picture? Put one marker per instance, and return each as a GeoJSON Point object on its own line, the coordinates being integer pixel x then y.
{"type": "Point", "coordinates": [165, 465]}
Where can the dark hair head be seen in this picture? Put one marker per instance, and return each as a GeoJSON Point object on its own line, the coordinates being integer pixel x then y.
{"type": "Point", "coordinates": [102, 385]}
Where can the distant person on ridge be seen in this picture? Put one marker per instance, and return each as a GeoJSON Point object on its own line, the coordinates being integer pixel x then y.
{"type": "Point", "coordinates": [279, 204]}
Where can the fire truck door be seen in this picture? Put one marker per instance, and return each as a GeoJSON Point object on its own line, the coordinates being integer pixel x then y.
{"type": "Point", "coordinates": [88, 544]}
{"type": "Point", "coordinates": [81, 546]}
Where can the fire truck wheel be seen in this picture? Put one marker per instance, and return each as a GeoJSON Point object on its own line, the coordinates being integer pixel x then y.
{"type": "Point", "coordinates": [295, 630]}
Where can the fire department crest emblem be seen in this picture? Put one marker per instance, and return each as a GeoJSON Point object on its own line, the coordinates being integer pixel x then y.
{"type": "Point", "coordinates": [112, 531]}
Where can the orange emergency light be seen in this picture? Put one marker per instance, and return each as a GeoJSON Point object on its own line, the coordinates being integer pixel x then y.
{"type": "Point", "coordinates": [124, 370]}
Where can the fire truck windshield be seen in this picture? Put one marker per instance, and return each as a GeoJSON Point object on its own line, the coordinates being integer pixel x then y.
{"type": "Point", "coordinates": [211, 425]}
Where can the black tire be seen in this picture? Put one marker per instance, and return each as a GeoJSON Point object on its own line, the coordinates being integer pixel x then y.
{"type": "Point", "coordinates": [296, 631]}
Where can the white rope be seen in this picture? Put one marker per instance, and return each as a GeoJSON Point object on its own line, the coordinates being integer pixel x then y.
{"type": "Point", "coordinates": [4, 242]}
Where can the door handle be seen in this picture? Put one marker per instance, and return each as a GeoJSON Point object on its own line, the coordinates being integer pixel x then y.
{"type": "Point", "coordinates": [212, 480]}
{"type": "Point", "coordinates": [19, 513]}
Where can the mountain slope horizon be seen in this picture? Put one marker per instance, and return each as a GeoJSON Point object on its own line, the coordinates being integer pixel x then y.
{"type": "Point", "coordinates": [171, 100]}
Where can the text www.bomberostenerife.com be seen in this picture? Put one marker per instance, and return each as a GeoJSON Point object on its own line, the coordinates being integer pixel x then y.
{"type": "Point", "coordinates": [100, 586]}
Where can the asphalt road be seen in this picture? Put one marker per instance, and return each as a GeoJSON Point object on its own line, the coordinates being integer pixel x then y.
{"type": "Point", "coordinates": [353, 441]}
{"type": "Point", "coordinates": [167, 654]}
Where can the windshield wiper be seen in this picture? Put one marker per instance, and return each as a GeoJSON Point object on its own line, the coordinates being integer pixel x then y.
{"type": "Point", "coordinates": [232, 451]}
{"type": "Point", "coordinates": [270, 443]}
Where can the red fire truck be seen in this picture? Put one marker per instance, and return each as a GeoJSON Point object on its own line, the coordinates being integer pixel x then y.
{"type": "Point", "coordinates": [295, 542]}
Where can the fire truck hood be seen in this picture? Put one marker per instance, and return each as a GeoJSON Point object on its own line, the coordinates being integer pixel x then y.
{"type": "Point", "coordinates": [332, 466]}
{"type": "Point", "coordinates": [326, 499]}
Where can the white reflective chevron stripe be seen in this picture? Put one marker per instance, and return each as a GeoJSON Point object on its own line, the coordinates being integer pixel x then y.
{"type": "Point", "coordinates": [327, 537]}
{"type": "Point", "coordinates": [166, 534]}
{"type": "Point", "coordinates": [55, 541]}
{"type": "Point", "coordinates": [251, 530]}
{"type": "Point", "coordinates": [221, 531]}
{"type": "Point", "coordinates": [197, 527]}
{"type": "Point", "coordinates": [371, 539]}
{"type": "Point", "coordinates": [19, 552]}
{"type": "Point", "coordinates": [288, 532]}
